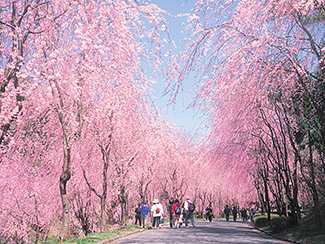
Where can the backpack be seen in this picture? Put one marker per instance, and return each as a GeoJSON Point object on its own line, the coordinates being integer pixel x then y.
{"type": "Point", "coordinates": [178, 210]}
{"type": "Point", "coordinates": [191, 207]}
{"type": "Point", "coordinates": [157, 210]}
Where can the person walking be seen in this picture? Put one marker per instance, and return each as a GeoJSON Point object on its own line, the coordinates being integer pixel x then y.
{"type": "Point", "coordinates": [157, 211]}
{"type": "Point", "coordinates": [176, 212]}
{"type": "Point", "coordinates": [234, 212]}
{"type": "Point", "coordinates": [144, 213]}
{"type": "Point", "coordinates": [227, 212]}
{"type": "Point", "coordinates": [183, 215]}
{"type": "Point", "coordinates": [244, 214]}
{"type": "Point", "coordinates": [138, 214]}
{"type": "Point", "coordinates": [171, 203]}
{"type": "Point", "coordinates": [209, 213]}
{"type": "Point", "coordinates": [251, 214]}
{"type": "Point", "coordinates": [189, 208]}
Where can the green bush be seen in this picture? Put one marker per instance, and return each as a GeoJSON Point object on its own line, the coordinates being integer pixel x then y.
{"type": "Point", "coordinates": [261, 222]}
{"type": "Point", "coordinates": [280, 223]}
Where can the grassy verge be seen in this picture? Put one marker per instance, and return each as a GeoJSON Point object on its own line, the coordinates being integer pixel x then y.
{"type": "Point", "coordinates": [97, 237]}
{"type": "Point", "coordinates": [305, 232]}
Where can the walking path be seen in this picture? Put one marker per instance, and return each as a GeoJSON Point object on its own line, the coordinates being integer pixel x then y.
{"type": "Point", "coordinates": [219, 231]}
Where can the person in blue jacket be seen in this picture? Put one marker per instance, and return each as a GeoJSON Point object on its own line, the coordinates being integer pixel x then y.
{"type": "Point", "coordinates": [144, 213]}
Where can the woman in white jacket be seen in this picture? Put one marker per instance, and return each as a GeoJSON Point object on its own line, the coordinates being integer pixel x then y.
{"type": "Point", "coordinates": [157, 211]}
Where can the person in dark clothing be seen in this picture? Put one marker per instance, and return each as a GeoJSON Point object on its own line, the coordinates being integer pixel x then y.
{"type": "Point", "coordinates": [244, 214]}
{"type": "Point", "coordinates": [234, 212]}
{"type": "Point", "coordinates": [171, 203]}
{"type": "Point", "coordinates": [209, 213]}
{"type": "Point", "coordinates": [227, 212]}
{"type": "Point", "coordinates": [138, 214]}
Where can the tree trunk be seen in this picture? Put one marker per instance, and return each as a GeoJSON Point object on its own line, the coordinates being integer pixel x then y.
{"type": "Point", "coordinates": [267, 200]}
{"type": "Point", "coordinates": [103, 197]}
{"type": "Point", "coordinates": [102, 215]}
{"type": "Point", "coordinates": [260, 193]}
{"type": "Point", "coordinates": [313, 184]}
{"type": "Point", "coordinates": [65, 176]}
{"type": "Point", "coordinates": [65, 218]}
{"type": "Point", "coordinates": [123, 203]}
{"type": "Point", "coordinates": [66, 168]}
{"type": "Point", "coordinates": [295, 204]}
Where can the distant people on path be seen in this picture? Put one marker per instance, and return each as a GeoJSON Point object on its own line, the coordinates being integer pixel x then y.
{"type": "Point", "coordinates": [138, 214]}
{"type": "Point", "coordinates": [157, 211]}
{"type": "Point", "coordinates": [234, 213]}
{"type": "Point", "coordinates": [227, 212]}
{"type": "Point", "coordinates": [144, 213]}
{"type": "Point", "coordinates": [243, 213]}
{"type": "Point", "coordinates": [209, 213]}
{"type": "Point", "coordinates": [251, 214]}
{"type": "Point", "coordinates": [176, 213]}
{"type": "Point", "coordinates": [189, 208]}
{"type": "Point", "coordinates": [171, 203]}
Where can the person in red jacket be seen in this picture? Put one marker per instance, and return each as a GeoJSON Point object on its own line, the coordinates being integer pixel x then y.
{"type": "Point", "coordinates": [176, 212]}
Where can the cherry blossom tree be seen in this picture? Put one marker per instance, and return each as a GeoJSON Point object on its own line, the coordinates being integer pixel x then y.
{"type": "Point", "coordinates": [75, 106]}
{"type": "Point", "coordinates": [21, 23]}
{"type": "Point", "coordinates": [113, 34]}
{"type": "Point", "coordinates": [243, 52]}
{"type": "Point", "coordinates": [67, 61]}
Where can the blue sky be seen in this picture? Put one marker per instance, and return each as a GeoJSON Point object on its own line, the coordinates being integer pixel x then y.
{"type": "Point", "coordinates": [188, 119]}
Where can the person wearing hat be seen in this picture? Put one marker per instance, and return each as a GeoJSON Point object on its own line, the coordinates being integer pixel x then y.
{"type": "Point", "coordinates": [138, 214]}
{"type": "Point", "coordinates": [157, 211]}
{"type": "Point", "coordinates": [144, 213]}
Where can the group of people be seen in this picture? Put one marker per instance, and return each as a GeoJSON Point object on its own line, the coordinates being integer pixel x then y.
{"type": "Point", "coordinates": [142, 212]}
{"type": "Point", "coordinates": [181, 211]}
{"type": "Point", "coordinates": [243, 213]}
{"type": "Point", "coordinates": [177, 212]}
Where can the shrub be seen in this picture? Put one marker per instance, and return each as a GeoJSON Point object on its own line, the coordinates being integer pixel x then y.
{"type": "Point", "coordinates": [261, 222]}
{"type": "Point", "coordinates": [280, 223]}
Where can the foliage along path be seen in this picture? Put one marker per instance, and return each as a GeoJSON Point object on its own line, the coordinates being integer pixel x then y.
{"type": "Point", "coordinates": [205, 232]}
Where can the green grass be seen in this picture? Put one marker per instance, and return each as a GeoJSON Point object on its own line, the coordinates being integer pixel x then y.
{"type": "Point", "coordinates": [312, 236]}
{"type": "Point", "coordinates": [266, 228]}
{"type": "Point", "coordinates": [97, 237]}
{"type": "Point", "coordinates": [305, 232]}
